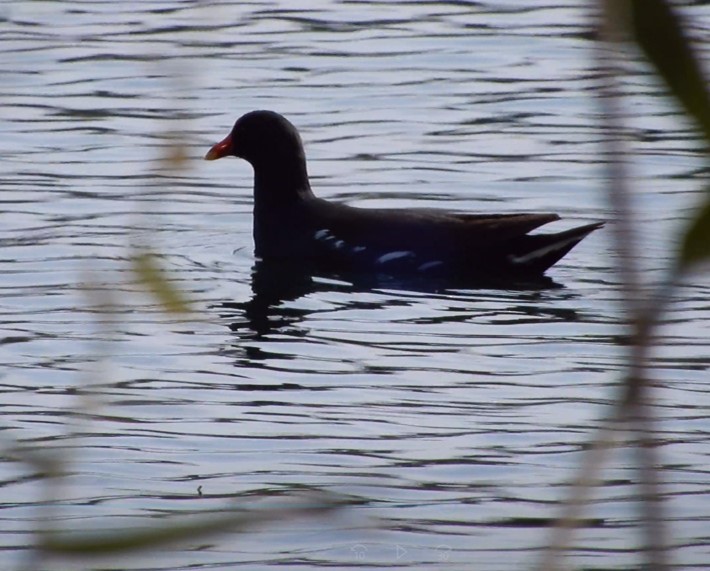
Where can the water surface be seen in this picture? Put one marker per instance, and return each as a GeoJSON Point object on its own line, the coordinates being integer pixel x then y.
{"type": "Point", "coordinates": [454, 416]}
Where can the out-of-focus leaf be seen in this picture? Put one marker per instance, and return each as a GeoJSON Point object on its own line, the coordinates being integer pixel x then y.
{"type": "Point", "coordinates": [696, 242]}
{"type": "Point", "coordinates": [152, 276]}
{"type": "Point", "coordinates": [111, 542]}
{"type": "Point", "coordinates": [659, 32]}
{"type": "Point", "coordinates": [47, 463]}
{"type": "Point", "coordinates": [175, 157]}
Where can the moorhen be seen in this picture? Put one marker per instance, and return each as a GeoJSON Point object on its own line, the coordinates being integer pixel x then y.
{"type": "Point", "coordinates": [291, 223]}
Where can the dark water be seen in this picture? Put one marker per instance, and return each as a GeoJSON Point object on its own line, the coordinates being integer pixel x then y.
{"type": "Point", "coordinates": [455, 416]}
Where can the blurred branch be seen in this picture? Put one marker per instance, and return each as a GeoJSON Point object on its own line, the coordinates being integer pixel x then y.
{"type": "Point", "coordinates": [155, 280]}
{"type": "Point", "coordinates": [695, 247]}
{"type": "Point", "coordinates": [110, 542]}
{"type": "Point", "coordinates": [615, 153]}
{"type": "Point", "coordinates": [658, 31]}
{"type": "Point", "coordinates": [588, 475]}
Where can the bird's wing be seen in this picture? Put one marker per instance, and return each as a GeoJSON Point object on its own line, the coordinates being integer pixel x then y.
{"type": "Point", "coordinates": [422, 229]}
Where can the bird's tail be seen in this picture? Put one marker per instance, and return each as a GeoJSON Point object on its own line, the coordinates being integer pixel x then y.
{"type": "Point", "coordinates": [536, 253]}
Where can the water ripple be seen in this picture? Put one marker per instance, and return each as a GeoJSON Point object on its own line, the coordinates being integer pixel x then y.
{"type": "Point", "coordinates": [454, 415]}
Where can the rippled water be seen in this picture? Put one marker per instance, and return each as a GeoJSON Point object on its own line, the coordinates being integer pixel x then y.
{"type": "Point", "coordinates": [455, 416]}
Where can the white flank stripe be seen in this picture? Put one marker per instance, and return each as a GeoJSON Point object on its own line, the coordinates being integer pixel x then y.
{"type": "Point", "coordinates": [430, 265]}
{"type": "Point", "coordinates": [358, 249]}
{"type": "Point", "coordinates": [391, 256]}
{"type": "Point", "coordinates": [323, 234]}
{"type": "Point", "coordinates": [540, 252]}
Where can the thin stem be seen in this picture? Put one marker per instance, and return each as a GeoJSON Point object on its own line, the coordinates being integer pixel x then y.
{"type": "Point", "coordinates": [615, 153]}
{"type": "Point", "coordinates": [652, 512]}
{"type": "Point", "coordinates": [634, 404]}
{"type": "Point", "coordinates": [637, 401]}
{"type": "Point", "coordinates": [587, 477]}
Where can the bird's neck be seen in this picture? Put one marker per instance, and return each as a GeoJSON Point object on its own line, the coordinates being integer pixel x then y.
{"type": "Point", "coordinates": [280, 184]}
{"type": "Point", "coordinates": [280, 196]}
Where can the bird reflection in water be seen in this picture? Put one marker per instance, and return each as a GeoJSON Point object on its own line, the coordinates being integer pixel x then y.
{"type": "Point", "coordinates": [275, 283]}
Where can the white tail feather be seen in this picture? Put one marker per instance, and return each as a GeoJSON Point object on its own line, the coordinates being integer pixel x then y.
{"type": "Point", "coordinates": [541, 252]}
